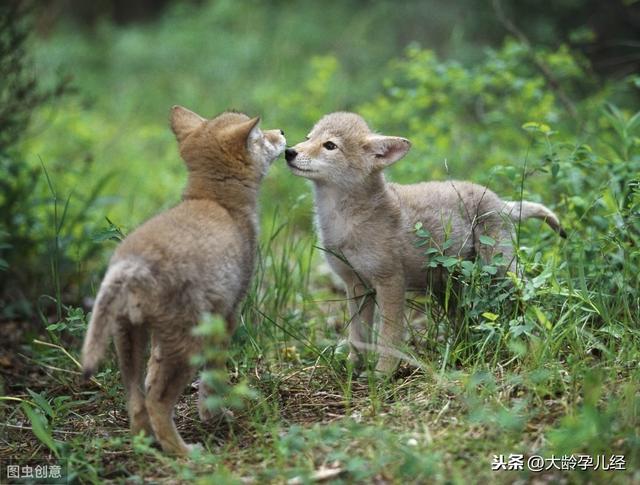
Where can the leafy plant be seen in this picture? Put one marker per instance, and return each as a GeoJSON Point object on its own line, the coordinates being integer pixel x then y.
{"type": "Point", "coordinates": [213, 334]}
{"type": "Point", "coordinates": [31, 256]}
{"type": "Point", "coordinates": [539, 363]}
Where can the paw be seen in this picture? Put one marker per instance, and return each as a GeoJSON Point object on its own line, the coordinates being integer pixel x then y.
{"type": "Point", "coordinates": [343, 350]}
{"type": "Point", "coordinates": [386, 366]}
{"type": "Point", "coordinates": [193, 448]}
{"type": "Point", "coordinates": [356, 358]}
{"type": "Point", "coordinates": [207, 415]}
{"type": "Point", "coordinates": [182, 449]}
{"type": "Point", "coordinates": [358, 362]}
{"type": "Point", "coordinates": [141, 424]}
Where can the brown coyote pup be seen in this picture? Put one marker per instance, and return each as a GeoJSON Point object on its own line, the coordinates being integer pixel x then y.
{"type": "Point", "coordinates": [194, 258]}
{"type": "Point", "coordinates": [367, 224]}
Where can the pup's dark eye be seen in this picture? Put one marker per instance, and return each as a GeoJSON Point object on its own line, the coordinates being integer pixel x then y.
{"type": "Point", "coordinates": [329, 145]}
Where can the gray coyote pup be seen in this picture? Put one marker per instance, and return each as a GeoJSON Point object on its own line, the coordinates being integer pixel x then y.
{"type": "Point", "coordinates": [367, 224]}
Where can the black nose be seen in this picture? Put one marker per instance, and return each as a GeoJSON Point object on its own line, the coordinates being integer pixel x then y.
{"type": "Point", "coordinates": [282, 132]}
{"type": "Point", "coordinates": [290, 154]}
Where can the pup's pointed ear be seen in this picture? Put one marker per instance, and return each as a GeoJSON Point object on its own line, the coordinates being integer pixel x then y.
{"type": "Point", "coordinates": [248, 131]}
{"type": "Point", "coordinates": [184, 121]}
{"type": "Point", "coordinates": [385, 150]}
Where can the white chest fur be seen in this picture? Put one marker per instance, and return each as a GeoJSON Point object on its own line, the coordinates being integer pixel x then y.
{"type": "Point", "coordinates": [334, 219]}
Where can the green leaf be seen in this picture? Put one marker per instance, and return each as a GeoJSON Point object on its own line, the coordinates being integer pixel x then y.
{"type": "Point", "coordinates": [113, 232]}
{"type": "Point", "coordinates": [633, 122]}
{"type": "Point", "coordinates": [449, 262]}
{"type": "Point", "coordinates": [42, 403]}
{"type": "Point", "coordinates": [490, 316]}
{"type": "Point", "coordinates": [542, 318]}
{"type": "Point", "coordinates": [536, 127]}
{"type": "Point", "coordinates": [492, 270]}
{"type": "Point", "coordinates": [487, 240]}
{"type": "Point", "coordinates": [40, 428]}
{"type": "Point", "coordinates": [468, 265]}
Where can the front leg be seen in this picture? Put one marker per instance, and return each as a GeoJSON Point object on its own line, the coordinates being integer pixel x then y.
{"type": "Point", "coordinates": [390, 297]}
{"type": "Point", "coordinates": [361, 309]}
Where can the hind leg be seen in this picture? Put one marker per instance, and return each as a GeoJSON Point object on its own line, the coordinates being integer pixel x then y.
{"type": "Point", "coordinates": [168, 375]}
{"type": "Point", "coordinates": [131, 343]}
{"type": "Point", "coordinates": [506, 246]}
{"type": "Point", "coordinates": [504, 235]}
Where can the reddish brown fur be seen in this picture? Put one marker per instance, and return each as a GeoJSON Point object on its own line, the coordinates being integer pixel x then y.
{"type": "Point", "coordinates": [194, 258]}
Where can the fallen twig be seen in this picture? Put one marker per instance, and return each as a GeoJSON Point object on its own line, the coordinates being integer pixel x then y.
{"type": "Point", "coordinates": [28, 428]}
{"type": "Point", "coordinates": [318, 476]}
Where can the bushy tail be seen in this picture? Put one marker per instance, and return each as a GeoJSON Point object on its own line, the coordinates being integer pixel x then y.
{"type": "Point", "coordinates": [519, 211]}
{"type": "Point", "coordinates": [118, 300]}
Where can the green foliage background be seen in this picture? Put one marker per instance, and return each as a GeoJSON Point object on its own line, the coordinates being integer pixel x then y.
{"type": "Point", "coordinates": [108, 146]}
{"type": "Point", "coordinates": [534, 120]}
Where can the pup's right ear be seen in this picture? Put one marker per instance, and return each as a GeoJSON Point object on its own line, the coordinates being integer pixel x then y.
{"type": "Point", "coordinates": [248, 131]}
{"type": "Point", "coordinates": [184, 121]}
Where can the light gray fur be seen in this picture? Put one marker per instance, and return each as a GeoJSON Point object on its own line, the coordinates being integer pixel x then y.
{"type": "Point", "coordinates": [367, 224]}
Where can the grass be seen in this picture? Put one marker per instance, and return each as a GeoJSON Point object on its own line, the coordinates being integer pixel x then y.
{"type": "Point", "coordinates": [568, 390]}
{"type": "Point", "coordinates": [547, 365]}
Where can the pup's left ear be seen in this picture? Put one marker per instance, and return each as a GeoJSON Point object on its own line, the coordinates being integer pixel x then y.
{"type": "Point", "coordinates": [385, 150]}
{"type": "Point", "coordinates": [184, 121]}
